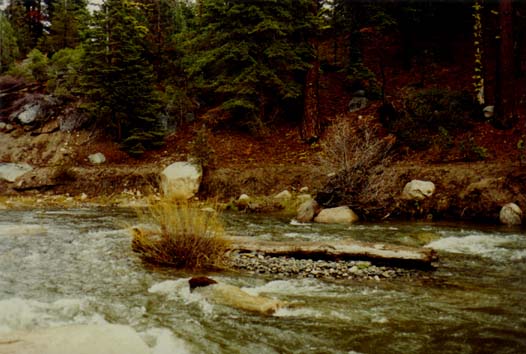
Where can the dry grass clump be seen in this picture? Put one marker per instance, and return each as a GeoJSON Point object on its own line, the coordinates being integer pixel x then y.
{"type": "Point", "coordinates": [182, 235]}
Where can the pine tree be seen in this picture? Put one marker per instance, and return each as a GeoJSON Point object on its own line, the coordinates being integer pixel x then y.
{"type": "Point", "coordinates": [118, 79]}
{"type": "Point", "coordinates": [250, 58]}
{"type": "Point", "coordinates": [67, 20]}
{"type": "Point", "coordinates": [18, 17]}
{"type": "Point", "coordinates": [8, 45]}
{"type": "Point", "coordinates": [166, 19]}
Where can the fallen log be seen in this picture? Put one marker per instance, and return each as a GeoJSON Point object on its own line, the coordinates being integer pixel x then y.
{"type": "Point", "coordinates": [376, 253]}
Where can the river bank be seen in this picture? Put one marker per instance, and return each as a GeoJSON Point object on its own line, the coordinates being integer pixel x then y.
{"type": "Point", "coordinates": [464, 192]}
{"type": "Point", "coordinates": [63, 174]}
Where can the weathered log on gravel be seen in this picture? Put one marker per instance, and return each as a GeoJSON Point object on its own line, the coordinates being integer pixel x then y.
{"type": "Point", "coordinates": [377, 253]}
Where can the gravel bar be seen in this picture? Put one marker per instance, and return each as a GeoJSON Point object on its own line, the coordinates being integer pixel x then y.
{"type": "Point", "coordinates": [255, 263]}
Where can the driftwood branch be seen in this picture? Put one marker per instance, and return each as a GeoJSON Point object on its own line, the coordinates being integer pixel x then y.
{"type": "Point", "coordinates": [378, 253]}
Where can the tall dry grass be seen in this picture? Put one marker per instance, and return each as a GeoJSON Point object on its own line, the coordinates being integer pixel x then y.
{"type": "Point", "coordinates": [181, 234]}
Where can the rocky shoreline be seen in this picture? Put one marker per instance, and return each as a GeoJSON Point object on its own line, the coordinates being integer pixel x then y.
{"type": "Point", "coordinates": [255, 263]}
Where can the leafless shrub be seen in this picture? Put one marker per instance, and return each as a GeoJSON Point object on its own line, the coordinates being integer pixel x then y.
{"type": "Point", "coordinates": [357, 156]}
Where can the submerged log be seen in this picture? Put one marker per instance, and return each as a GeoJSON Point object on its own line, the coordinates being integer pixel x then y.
{"type": "Point", "coordinates": [377, 253]}
{"type": "Point", "coordinates": [230, 295]}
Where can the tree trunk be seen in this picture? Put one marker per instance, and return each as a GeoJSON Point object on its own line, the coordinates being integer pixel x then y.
{"type": "Point", "coordinates": [379, 253]}
{"type": "Point", "coordinates": [310, 127]}
{"type": "Point", "coordinates": [505, 78]}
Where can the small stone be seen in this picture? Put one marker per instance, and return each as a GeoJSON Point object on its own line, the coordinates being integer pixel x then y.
{"type": "Point", "coordinates": [97, 158]}
{"type": "Point", "coordinates": [284, 195]}
{"type": "Point", "coordinates": [243, 200]}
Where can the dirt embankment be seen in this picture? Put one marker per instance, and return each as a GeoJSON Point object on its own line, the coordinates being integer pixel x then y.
{"type": "Point", "coordinates": [464, 191]}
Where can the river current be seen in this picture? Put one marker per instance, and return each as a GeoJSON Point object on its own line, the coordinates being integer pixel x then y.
{"type": "Point", "coordinates": [63, 267]}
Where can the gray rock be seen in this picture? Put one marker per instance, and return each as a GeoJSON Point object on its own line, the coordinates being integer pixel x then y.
{"type": "Point", "coordinates": [11, 171]}
{"type": "Point", "coordinates": [302, 198]}
{"type": "Point", "coordinates": [181, 180]}
{"type": "Point", "coordinates": [243, 200]}
{"type": "Point", "coordinates": [29, 113]}
{"type": "Point", "coordinates": [357, 103]}
{"type": "Point", "coordinates": [339, 215]}
{"type": "Point", "coordinates": [97, 158]}
{"type": "Point", "coordinates": [510, 214]}
{"type": "Point", "coordinates": [418, 190]}
{"type": "Point", "coordinates": [488, 111]}
{"type": "Point", "coordinates": [283, 195]}
{"type": "Point", "coordinates": [307, 211]}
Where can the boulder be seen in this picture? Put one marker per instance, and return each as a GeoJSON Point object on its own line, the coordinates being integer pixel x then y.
{"type": "Point", "coordinates": [510, 214]}
{"type": "Point", "coordinates": [40, 179]}
{"type": "Point", "coordinates": [339, 215]}
{"type": "Point", "coordinates": [357, 103]}
{"type": "Point", "coordinates": [35, 109]}
{"type": "Point", "coordinates": [307, 211]}
{"type": "Point", "coordinates": [418, 190]}
{"type": "Point", "coordinates": [11, 171]}
{"type": "Point", "coordinates": [302, 198]}
{"type": "Point", "coordinates": [78, 339]}
{"type": "Point", "coordinates": [232, 296]}
{"type": "Point", "coordinates": [29, 113]}
{"type": "Point", "coordinates": [488, 111]}
{"type": "Point", "coordinates": [283, 195]}
{"type": "Point", "coordinates": [181, 180]}
{"type": "Point", "coordinates": [243, 201]}
{"type": "Point", "coordinates": [97, 158]}
{"type": "Point", "coordinates": [2, 126]}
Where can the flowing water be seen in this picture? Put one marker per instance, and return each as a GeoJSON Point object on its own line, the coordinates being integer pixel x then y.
{"type": "Point", "coordinates": [76, 267]}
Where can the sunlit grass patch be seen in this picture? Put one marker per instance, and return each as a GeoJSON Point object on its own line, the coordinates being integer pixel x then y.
{"type": "Point", "coordinates": [183, 235]}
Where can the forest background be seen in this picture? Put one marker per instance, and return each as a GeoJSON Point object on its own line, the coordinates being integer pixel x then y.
{"type": "Point", "coordinates": [425, 81]}
{"type": "Point", "coordinates": [139, 68]}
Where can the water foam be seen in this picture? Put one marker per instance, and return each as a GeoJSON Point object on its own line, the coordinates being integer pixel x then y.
{"type": "Point", "coordinates": [487, 246]}
{"type": "Point", "coordinates": [163, 341]}
{"type": "Point", "coordinates": [22, 230]}
{"type": "Point", "coordinates": [180, 290]}
{"type": "Point", "coordinates": [23, 314]}
{"type": "Point", "coordinates": [306, 287]}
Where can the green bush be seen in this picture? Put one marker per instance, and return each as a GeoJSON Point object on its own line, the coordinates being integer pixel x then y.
{"type": "Point", "coordinates": [471, 151]}
{"type": "Point", "coordinates": [34, 67]}
{"type": "Point", "coordinates": [64, 73]}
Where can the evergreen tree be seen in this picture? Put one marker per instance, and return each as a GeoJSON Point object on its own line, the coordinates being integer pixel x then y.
{"type": "Point", "coordinates": [67, 20]}
{"type": "Point", "coordinates": [17, 15]}
{"type": "Point", "coordinates": [166, 19]}
{"type": "Point", "coordinates": [118, 80]}
{"type": "Point", "coordinates": [250, 58]}
{"type": "Point", "coordinates": [8, 45]}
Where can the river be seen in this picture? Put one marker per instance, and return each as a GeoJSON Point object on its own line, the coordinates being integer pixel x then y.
{"type": "Point", "coordinates": [63, 267]}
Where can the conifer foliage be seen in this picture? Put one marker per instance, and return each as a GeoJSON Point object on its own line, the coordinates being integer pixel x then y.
{"type": "Point", "coordinates": [67, 19]}
{"type": "Point", "coordinates": [118, 79]}
{"type": "Point", "coordinates": [249, 58]}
